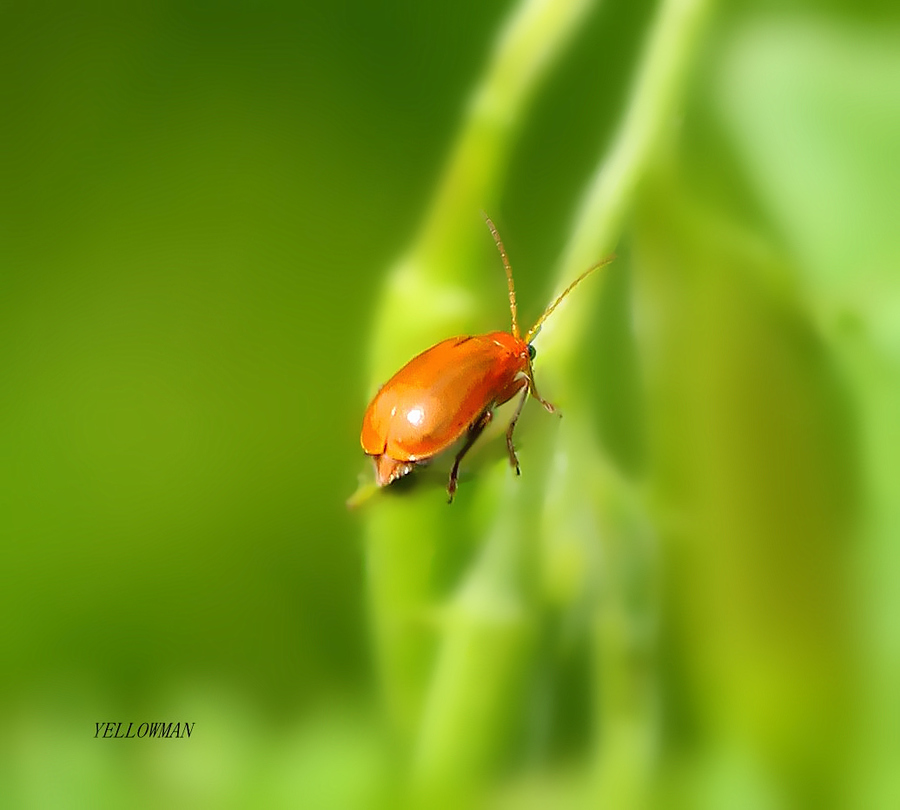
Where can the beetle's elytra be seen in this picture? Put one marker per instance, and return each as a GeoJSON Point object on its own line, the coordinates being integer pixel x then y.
{"type": "Point", "coordinates": [451, 390]}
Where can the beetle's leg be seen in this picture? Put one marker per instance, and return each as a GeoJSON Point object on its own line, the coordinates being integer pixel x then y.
{"type": "Point", "coordinates": [534, 392]}
{"type": "Point", "coordinates": [513, 458]}
{"type": "Point", "coordinates": [475, 430]}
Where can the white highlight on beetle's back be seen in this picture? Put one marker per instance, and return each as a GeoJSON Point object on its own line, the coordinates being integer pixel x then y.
{"type": "Point", "coordinates": [414, 416]}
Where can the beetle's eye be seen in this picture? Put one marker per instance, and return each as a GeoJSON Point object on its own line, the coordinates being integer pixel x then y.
{"type": "Point", "coordinates": [531, 352]}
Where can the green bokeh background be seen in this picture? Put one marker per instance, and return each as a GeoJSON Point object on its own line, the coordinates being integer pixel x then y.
{"type": "Point", "coordinates": [199, 204]}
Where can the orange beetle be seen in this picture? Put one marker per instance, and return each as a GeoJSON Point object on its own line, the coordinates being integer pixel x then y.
{"type": "Point", "coordinates": [452, 389]}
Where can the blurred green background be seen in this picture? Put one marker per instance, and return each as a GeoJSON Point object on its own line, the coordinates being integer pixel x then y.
{"type": "Point", "coordinates": [199, 207]}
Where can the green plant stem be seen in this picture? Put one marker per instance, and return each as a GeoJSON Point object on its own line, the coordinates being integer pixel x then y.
{"type": "Point", "coordinates": [426, 298]}
{"type": "Point", "coordinates": [486, 639]}
{"type": "Point", "coordinates": [584, 483]}
{"type": "Point", "coordinates": [650, 117]}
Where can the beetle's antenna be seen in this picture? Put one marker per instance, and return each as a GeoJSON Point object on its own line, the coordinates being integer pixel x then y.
{"type": "Point", "coordinates": [509, 275]}
{"type": "Point", "coordinates": [532, 333]}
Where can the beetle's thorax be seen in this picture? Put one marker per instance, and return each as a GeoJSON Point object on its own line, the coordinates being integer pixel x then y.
{"type": "Point", "coordinates": [508, 343]}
